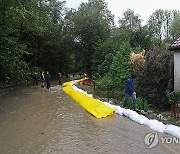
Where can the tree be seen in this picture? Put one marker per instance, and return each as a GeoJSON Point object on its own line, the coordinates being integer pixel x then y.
{"type": "Point", "coordinates": [47, 37]}
{"type": "Point", "coordinates": [130, 20]}
{"type": "Point", "coordinates": [155, 78]}
{"type": "Point", "coordinates": [159, 24]}
{"type": "Point", "coordinates": [33, 34]}
{"type": "Point", "coordinates": [104, 67]}
{"type": "Point", "coordinates": [141, 38]}
{"type": "Point", "coordinates": [175, 30]}
{"type": "Point", "coordinates": [13, 66]}
{"type": "Point", "coordinates": [155, 23]}
{"type": "Point", "coordinates": [119, 35]}
{"type": "Point", "coordinates": [129, 25]}
{"type": "Point", "coordinates": [168, 17]}
{"type": "Point", "coordinates": [121, 68]}
{"type": "Point", "coordinates": [92, 24]}
{"type": "Point", "coordinates": [102, 58]}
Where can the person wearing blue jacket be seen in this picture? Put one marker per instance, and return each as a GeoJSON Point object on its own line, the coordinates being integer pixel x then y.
{"type": "Point", "coordinates": [130, 90]}
{"type": "Point", "coordinates": [48, 80]}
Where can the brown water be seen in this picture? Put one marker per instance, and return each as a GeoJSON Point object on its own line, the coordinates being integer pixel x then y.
{"type": "Point", "coordinates": [34, 120]}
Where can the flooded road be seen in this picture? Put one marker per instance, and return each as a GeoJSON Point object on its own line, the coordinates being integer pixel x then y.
{"type": "Point", "coordinates": [34, 120]}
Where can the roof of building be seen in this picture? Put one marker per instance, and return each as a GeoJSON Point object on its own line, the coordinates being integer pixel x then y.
{"type": "Point", "coordinates": [175, 45]}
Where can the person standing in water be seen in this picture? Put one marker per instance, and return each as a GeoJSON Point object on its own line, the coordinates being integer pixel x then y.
{"type": "Point", "coordinates": [42, 79]}
{"type": "Point", "coordinates": [59, 77]}
{"type": "Point", "coordinates": [48, 80]}
{"type": "Point", "coordinates": [35, 79]}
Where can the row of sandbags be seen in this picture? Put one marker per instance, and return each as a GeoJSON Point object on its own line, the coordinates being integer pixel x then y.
{"type": "Point", "coordinates": [151, 123]}
{"type": "Point", "coordinates": [138, 118]}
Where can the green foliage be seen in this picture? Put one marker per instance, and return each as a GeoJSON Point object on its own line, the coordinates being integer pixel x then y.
{"type": "Point", "coordinates": [92, 24]}
{"type": "Point", "coordinates": [141, 104]}
{"type": "Point", "coordinates": [32, 35]}
{"type": "Point", "coordinates": [130, 20]}
{"type": "Point", "coordinates": [128, 25]}
{"type": "Point", "coordinates": [106, 83]}
{"type": "Point", "coordinates": [164, 24]}
{"type": "Point", "coordinates": [155, 23]}
{"type": "Point", "coordinates": [13, 67]}
{"type": "Point", "coordinates": [155, 77]}
{"type": "Point", "coordinates": [120, 35]}
{"type": "Point", "coordinates": [174, 29]}
{"type": "Point", "coordinates": [103, 56]}
{"type": "Point", "coordinates": [141, 38]}
{"type": "Point", "coordinates": [121, 68]}
{"type": "Point", "coordinates": [174, 97]}
{"type": "Point", "coordinates": [104, 67]}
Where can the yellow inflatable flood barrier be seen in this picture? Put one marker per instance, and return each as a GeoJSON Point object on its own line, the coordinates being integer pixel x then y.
{"type": "Point", "coordinates": [93, 106]}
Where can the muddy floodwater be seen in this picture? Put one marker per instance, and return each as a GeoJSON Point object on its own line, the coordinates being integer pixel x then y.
{"type": "Point", "coordinates": [35, 120]}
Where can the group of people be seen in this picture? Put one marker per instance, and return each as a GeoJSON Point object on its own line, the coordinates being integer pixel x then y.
{"type": "Point", "coordinates": [44, 77]}
{"type": "Point", "coordinates": [129, 87]}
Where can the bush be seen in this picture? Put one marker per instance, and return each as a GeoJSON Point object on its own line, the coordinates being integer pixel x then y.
{"type": "Point", "coordinates": [174, 97]}
{"type": "Point", "coordinates": [154, 79]}
{"type": "Point", "coordinates": [106, 85]}
{"type": "Point", "coordinates": [140, 105]}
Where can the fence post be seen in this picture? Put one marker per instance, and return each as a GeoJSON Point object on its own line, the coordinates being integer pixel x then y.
{"type": "Point", "coordinates": [94, 88]}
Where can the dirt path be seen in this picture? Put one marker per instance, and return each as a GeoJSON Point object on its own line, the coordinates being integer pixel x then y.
{"type": "Point", "coordinates": [34, 120]}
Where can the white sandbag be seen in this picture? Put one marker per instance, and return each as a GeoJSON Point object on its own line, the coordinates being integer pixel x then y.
{"type": "Point", "coordinates": [126, 112]}
{"type": "Point", "coordinates": [104, 103]}
{"type": "Point", "coordinates": [119, 110]}
{"type": "Point", "coordinates": [147, 123]}
{"type": "Point", "coordinates": [141, 119]}
{"type": "Point", "coordinates": [77, 89]}
{"type": "Point", "coordinates": [108, 104]}
{"type": "Point", "coordinates": [114, 106]}
{"type": "Point", "coordinates": [155, 125]}
{"type": "Point", "coordinates": [82, 91]}
{"type": "Point", "coordinates": [172, 130]}
{"type": "Point", "coordinates": [133, 115]}
{"type": "Point", "coordinates": [159, 127]}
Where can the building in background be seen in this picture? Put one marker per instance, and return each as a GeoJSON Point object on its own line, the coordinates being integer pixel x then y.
{"type": "Point", "coordinates": [176, 48]}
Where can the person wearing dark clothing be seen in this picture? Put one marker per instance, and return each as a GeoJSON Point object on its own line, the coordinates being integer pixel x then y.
{"type": "Point", "coordinates": [42, 79]}
{"type": "Point", "coordinates": [130, 90]}
{"type": "Point", "coordinates": [48, 80]}
{"type": "Point", "coordinates": [59, 77]}
{"type": "Point", "coordinates": [35, 79]}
